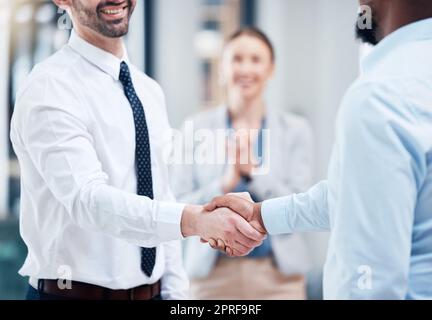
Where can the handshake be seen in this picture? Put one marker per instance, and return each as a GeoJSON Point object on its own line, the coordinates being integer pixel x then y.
{"type": "Point", "coordinates": [231, 223]}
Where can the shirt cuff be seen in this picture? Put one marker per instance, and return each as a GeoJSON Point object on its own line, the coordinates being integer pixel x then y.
{"type": "Point", "coordinates": [274, 215]}
{"type": "Point", "coordinates": [168, 220]}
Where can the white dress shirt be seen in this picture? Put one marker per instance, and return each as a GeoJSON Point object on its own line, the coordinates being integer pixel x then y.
{"type": "Point", "coordinates": [73, 132]}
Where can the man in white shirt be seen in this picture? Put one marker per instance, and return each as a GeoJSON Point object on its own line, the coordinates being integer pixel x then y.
{"type": "Point", "coordinates": [96, 208]}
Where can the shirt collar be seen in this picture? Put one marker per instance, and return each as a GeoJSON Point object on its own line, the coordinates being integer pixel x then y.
{"type": "Point", "coordinates": [104, 60]}
{"type": "Point", "coordinates": [417, 31]}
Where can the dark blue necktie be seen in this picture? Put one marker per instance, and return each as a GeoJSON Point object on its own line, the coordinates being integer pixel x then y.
{"type": "Point", "coordinates": [142, 157]}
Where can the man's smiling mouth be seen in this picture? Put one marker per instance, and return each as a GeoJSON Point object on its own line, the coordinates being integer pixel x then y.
{"type": "Point", "coordinates": [115, 10]}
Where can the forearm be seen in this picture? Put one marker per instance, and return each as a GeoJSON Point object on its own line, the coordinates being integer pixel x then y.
{"type": "Point", "coordinates": [297, 213]}
{"type": "Point", "coordinates": [126, 216]}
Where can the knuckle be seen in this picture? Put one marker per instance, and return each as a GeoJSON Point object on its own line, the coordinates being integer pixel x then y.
{"type": "Point", "coordinates": [227, 241]}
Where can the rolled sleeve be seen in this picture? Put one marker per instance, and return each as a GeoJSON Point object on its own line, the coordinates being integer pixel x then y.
{"type": "Point", "coordinates": [298, 213]}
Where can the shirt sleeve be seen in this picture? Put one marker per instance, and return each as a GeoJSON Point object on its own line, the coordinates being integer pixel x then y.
{"type": "Point", "coordinates": [378, 171]}
{"type": "Point", "coordinates": [175, 282]}
{"type": "Point", "coordinates": [55, 135]}
{"type": "Point", "coordinates": [298, 213]}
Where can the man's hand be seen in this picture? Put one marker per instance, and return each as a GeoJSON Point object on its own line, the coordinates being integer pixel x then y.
{"type": "Point", "coordinates": [244, 207]}
{"type": "Point", "coordinates": [222, 224]}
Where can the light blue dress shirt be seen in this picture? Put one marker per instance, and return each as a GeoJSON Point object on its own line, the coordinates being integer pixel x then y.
{"type": "Point", "coordinates": [377, 200]}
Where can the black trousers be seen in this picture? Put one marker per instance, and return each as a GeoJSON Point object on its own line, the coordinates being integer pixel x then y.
{"type": "Point", "coordinates": [33, 294]}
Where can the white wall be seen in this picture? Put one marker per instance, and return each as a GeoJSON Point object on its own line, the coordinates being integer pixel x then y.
{"type": "Point", "coordinates": [4, 68]}
{"type": "Point", "coordinates": [177, 68]}
{"type": "Point", "coordinates": [317, 60]}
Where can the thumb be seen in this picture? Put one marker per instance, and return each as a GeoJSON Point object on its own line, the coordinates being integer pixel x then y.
{"type": "Point", "coordinates": [243, 195]}
{"type": "Point", "coordinates": [235, 203]}
{"type": "Point", "coordinates": [210, 206]}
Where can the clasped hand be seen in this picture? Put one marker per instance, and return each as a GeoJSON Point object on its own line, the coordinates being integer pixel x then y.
{"type": "Point", "coordinates": [230, 223]}
{"type": "Point", "coordinates": [242, 205]}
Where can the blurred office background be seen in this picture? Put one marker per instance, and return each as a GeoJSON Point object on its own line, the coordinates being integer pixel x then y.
{"type": "Point", "coordinates": [177, 42]}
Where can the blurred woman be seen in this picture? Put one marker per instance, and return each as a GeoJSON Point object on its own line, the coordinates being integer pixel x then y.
{"type": "Point", "coordinates": [269, 154]}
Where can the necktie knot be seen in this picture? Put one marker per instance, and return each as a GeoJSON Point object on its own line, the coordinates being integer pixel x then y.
{"type": "Point", "coordinates": [125, 76]}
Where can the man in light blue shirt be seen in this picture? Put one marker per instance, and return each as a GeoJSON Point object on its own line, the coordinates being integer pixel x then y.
{"type": "Point", "coordinates": [377, 200]}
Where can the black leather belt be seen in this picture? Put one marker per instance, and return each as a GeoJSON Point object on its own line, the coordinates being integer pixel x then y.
{"type": "Point", "coordinates": [85, 291]}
